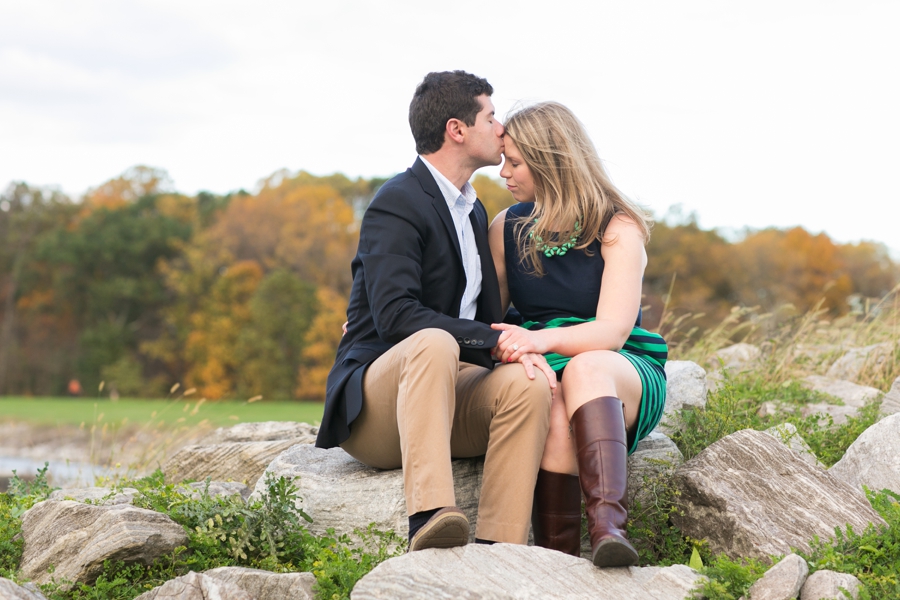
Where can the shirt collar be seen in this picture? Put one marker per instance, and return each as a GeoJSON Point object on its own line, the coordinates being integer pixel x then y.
{"type": "Point", "coordinates": [450, 192]}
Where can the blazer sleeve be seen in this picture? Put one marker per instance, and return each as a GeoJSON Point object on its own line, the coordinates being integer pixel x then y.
{"type": "Point", "coordinates": [392, 239]}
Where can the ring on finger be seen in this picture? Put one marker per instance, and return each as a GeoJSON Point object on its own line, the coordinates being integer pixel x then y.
{"type": "Point", "coordinates": [515, 347]}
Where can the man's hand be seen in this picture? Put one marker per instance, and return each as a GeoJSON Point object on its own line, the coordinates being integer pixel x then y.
{"type": "Point", "coordinates": [344, 327]}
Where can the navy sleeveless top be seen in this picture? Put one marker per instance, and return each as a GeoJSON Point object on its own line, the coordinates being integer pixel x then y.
{"type": "Point", "coordinates": [570, 286]}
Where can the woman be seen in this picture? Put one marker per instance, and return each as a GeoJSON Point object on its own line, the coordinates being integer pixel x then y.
{"type": "Point", "coordinates": [570, 256]}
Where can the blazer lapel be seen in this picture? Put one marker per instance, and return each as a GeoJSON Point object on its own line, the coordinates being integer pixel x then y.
{"type": "Point", "coordinates": [489, 299]}
{"type": "Point", "coordinates": [438, 201]}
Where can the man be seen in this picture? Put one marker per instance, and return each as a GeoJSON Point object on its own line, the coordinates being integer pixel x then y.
{"type": "Point", "coordinates": [413, 383]}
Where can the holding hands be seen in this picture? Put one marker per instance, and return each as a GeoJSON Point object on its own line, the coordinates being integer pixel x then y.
{"type": "Point", "coordinates": [521, 345]}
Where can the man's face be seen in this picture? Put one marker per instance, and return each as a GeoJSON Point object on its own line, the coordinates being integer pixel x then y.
{"type": "Point", "coordinates": [484, 139]}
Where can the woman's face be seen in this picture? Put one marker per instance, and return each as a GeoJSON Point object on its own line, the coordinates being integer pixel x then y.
{"type": "Point", "coordinates": [518, 177]}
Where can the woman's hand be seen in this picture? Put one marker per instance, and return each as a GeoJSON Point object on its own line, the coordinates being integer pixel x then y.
{"type": "Point", "coordinates": [531, 360]}
{"type": "Point", "coordinates": [515, 342]}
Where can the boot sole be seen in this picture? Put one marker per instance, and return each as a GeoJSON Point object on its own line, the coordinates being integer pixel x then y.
{"type": "Point", "coordinates": [445, 530]}
{"type": "Point", "coordinates": [612, 552]}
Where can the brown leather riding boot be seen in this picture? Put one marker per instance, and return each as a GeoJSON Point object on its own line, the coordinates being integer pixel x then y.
{"type": "Point", "coordinates": [599, 428]}
{"type": "Point", "coordinates": [556, 512]}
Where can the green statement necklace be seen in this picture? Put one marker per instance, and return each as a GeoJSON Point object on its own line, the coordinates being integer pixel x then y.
{"type": "Point", "coordinates": [560, 250]}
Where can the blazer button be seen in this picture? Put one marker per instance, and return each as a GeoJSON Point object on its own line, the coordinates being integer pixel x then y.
{"type": "Point", "coordinates": [481, 342]}
{"type": "Point", "coordinates": [466, 341]}
{"type": "Point", "coordinates": [459, 340]}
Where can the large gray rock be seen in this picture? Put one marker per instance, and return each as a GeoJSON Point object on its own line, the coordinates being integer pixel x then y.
{"type": "Point", "coordinates": [849, 393]}
{"type": "Point", "coordinates": [655, 454]}
{"type": "Point", "coordinates": [238, 461]}
{"type": "Point", "coordinates": [873, 460]}
{"type": "Point", "coordinates": [265, 431]}
{"type": "Point", "coordinates": [787, 433]}
{"type": "Point", "coordinates": [826, 585]}
{"type": "Point", "coordinates": [508, 571]}
{"type": "Point", "coordinates": [890, 404]}
{"type": "Point", "coordinates": [781, 582]}
{"type": "Point", "coordinates": [196, 586]}
{"type": "Point", "coordinates": [738, 357]}
{"type": "Point", "coordinates": [10, 591]}
{"type": "Point", "coordinates": [265, 585]}
{"type": "Point", "coordinates": [96, 495]}
{"type": "Point", "coordinates": [338, 491]}
{"type": "Point", "coordinates": [750, 495]}
{"type": "Point", "coordinates": [76, 538]}
{"type": "Point", "coordinates": [850, 365]}
{"type": "Point", "coordinates": [685, 390]}
{"type": "Point", "coordinates": [238, 453]}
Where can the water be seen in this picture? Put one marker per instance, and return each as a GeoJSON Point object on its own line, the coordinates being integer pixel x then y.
{"type": "Point", "coordinates": [61, 472]}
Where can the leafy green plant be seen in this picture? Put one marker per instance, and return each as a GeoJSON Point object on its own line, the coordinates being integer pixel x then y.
{"type": "Point", "coordinates": [871, 556]}
{"type": "Point", "coordinates": [729, 579]}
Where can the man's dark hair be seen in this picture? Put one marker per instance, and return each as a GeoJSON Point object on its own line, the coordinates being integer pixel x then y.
{"type": "Point", "coordinates": [440, 97]}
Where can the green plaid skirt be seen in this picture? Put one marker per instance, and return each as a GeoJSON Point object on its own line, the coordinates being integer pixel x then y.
{"type": "Point", "coordinates": [648, 353]}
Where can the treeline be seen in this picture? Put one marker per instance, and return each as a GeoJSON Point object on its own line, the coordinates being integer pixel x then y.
{"type": "Point", "coordinates": [243, 295]}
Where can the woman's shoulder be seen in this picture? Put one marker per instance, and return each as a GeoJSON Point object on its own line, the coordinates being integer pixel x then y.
{"type": "Point", "coordinates": [520, 209]}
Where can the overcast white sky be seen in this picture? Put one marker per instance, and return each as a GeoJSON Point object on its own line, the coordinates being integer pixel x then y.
{"type": "Point", "coordinates": [759, 113]}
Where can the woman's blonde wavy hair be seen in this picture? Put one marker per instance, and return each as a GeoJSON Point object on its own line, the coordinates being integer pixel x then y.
{"type": "Point", "coordinates": [570, 183]}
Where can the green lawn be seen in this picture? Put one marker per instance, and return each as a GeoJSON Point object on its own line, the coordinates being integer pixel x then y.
{"type": "Point", "coordinates": [175, 412]}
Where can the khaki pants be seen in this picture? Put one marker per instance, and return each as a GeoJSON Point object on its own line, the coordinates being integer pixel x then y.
{"type": "Point", "coordinates": [423, 407]}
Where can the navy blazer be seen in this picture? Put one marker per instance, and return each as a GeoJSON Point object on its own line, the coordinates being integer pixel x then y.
{"type": "Point", "coordinates": [407, 276]}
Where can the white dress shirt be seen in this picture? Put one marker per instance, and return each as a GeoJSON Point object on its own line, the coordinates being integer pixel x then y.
{"type": "Point", "coordinates": [460, 203]}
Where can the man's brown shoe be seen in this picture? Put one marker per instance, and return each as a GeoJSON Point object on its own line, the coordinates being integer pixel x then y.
{"type": "Point", "coordinates": [447, 528]}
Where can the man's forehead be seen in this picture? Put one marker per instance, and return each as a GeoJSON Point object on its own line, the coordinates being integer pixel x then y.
{"type": "Point", "coordinates": [486, 104]}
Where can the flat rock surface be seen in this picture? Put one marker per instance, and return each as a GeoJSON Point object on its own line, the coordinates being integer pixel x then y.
{"type": "Point", "coordinates": [76, 538]}
{"type": "Point", "coordinates": [750, 495]}
{"type": "Point", "coordinates": [195, 586]}
{"type": "Point", "coordinates": [9, 590]}
{"type": "Point", "coordinates": [781, 582]}
{"type": "Point", "coordinates": [264, 431]}
{"type": "Point", "coordinates": [826, 585]}
{"type": "Point", "coordinates": [265, 585]}
{"type": "Point", "coordinates": [507, 571]}
{"type": "Point", "coordinates": [839, 413]}
{"type": "Point", "coordinates": [849, 393]}
{"type": "Point", "coordinates": [338, 491]}
{"type": "Point", "coordinates": [238, 461]}
{"type": "Point", "coordinates": [873, 460]}
{"type": "Point", "coordinates": [685, 389]}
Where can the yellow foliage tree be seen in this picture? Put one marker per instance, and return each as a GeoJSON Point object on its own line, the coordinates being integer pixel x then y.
{"type": "Point", "coordinates": [320, 343]}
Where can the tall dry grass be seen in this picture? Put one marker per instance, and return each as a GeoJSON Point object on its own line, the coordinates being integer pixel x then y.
{"type": "Point", "coordinates": [795, 344]}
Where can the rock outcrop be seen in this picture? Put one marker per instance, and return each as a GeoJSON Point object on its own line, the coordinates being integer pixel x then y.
{"type": "Point", "coordinates": [849, 393]}
{"type": "Point", "coordinates": [787, 433]}
{"type": "Point", "coordinates": [750, 495]}
{"type": "Point", "coordinates": [10, 591]}
{"type": "Point", "coordinates": [873, 460]}
{"type": "Point", "coordinates": [338, 491]}
{"type": "Point", "coordinates": [95, 495]}
{"type": "Point", "coordinates": [76, 538]}
{"type": "Point", "coordinates": [826, 585]}
{"type": "Point", "coordinates": [890, 404]}
{"type": "Point", "coordinates": [265, 585]}
{"type": "Point", "coordinates": [685, 390]}
{"type": "Point", "coordinates": [196, 586]}
{"type": "Point", "coordinates": [506, 571]}
{"type": "Point", "coordinates": [851, 364]}
{"type": "Point", "coordinates": [781, 582]}
{"type": "Point", "coordinates": [239, 453]}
